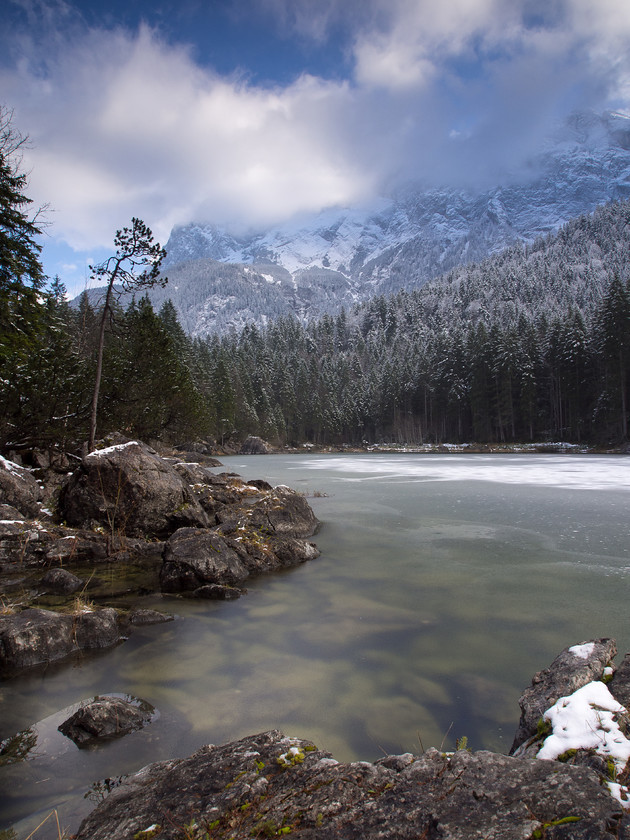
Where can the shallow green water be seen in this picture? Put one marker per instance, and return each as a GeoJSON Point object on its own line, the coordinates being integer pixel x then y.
{"type": "Point", "coordinates": [444, 583]}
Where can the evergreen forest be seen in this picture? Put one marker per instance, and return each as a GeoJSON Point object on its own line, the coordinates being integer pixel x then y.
{"type": "Point", "coordinates": [532, 344]}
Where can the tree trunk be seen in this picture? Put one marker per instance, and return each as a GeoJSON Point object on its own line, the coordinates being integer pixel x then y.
{"type": "Point", "coordinates": [99, 363]}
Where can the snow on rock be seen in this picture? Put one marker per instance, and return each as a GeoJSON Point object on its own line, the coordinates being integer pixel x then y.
{"type": "Point", "coordinates": [583, 651]}
{"type": "Point", "coordinates": [101, 453]}
{"type": "Point", "coordinates": [588, 720]}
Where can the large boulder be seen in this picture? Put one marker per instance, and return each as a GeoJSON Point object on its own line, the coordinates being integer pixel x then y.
{"type": "Point", "coordinates": [106, 718]}
{"type": "Point", "coordinates": [19, 489]}
{"type": "Point", "coordinates": [129, 490]}
{"type": "Point", "coordinates": [255, 446]}
{"type": "Point", "coordinates": [280, 512]}
{"type": "Point", "coordinates": [37, 637]}
{"type": "Point", "coordinates": [269, 785]}
{"type": "Point", "coordinates": [572, 669]}
{"type": "Point", "coordinates": [194, 558]}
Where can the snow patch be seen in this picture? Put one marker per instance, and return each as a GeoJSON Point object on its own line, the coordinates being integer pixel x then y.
{"type": "Point", "coordinates": [12, 467]}
{"type": "Point", "coordinates": [99, 453]}
{"type": "Point", "coordinates": [587, 719]}
{"type": "Point", "coordinates": [583, 651]}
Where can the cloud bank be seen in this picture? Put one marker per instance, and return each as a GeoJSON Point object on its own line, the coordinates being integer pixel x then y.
{"type": "Point", "coordinates": [125, 123]}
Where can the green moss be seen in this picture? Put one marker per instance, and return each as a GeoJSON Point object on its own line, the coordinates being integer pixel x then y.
{"type": "Point", "coordinates": [543, 728]}
{"type": "Point", "coordinates": [568, 754]}
{"type": "Point", "coordinates": [564, 821]}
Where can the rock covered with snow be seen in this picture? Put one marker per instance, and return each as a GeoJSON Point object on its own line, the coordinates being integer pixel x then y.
{"type": "Point", "coordinates": [269, 785]}
{"type": "Point", "coordinates": [19, 489]}
{"type": "Point", "coordinates": [128, 489]}
{"type": "Point", "coordinates": [573, 668]}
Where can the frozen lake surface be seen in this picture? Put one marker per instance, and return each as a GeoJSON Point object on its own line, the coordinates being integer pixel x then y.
{"type": "Point", "coordinates": [445, 583]}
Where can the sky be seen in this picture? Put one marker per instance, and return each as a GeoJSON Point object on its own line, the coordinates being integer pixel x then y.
{"type": "Point", "coordinates": [247, 113]}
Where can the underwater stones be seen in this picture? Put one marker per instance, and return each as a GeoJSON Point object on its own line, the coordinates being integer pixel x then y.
{"type": "Point", "coordinates": [147, 617]}
{"type": "Point", "coordinates": [106, 718]}
{"type": "Point", "coordinates": [129, 490]}
{"type": "Point", "coordinates": [36, 637]}
{"type": "Point", "coordinates": [62, 581]}
{"type": "Point", "coordinates": [573, 668]}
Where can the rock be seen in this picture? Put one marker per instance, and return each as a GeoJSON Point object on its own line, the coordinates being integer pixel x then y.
{"type": "Point", "coordinates": [291, 552]}
{"type": "Point", "coordinates": [215, 592]}
{"type": "Point", "coordinates": [573, 668]}
{"type": "Point", "coordinates": [145, 617]}
{"type": "Point", "coordinates": [280, 512]}
{"type": "Point", "coordinates": [105, 718]}
{"type": "Point", "coordinates": [19, 489]}
{"type": "Point", "coordinates": [268, 785]}
{"type": "Point", "coordinates": [194, 557]}
{"type": "Point", "coordinates": [619, 685]}
{"type": "Point", "coordinates": [200, 448]}
{"type": "Point", "coordinates": [260, 484]}
{"type": "Point", "coordinates": [255, 446]}
{"type": "Point", "coordinates": [62, 581]}
{"type": "Point", "coordinates": [36, 637]}
{"type": "Point", "coordinates": [130, 490]}
{"type": "Point", "coordinates": [10, 514]}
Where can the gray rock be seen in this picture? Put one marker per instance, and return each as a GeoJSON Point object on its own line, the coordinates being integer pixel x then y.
{"type": "Point", "coordinates": [105, 718]}
{"type": "Point", "coordinates": [255, 446]}
{"type": "Point", "coordinates": [8, 513]}
{"type": "Point", "coordinates": [619, 685]}
{"type": "Point", "coordinates": [129, 490]}
{"type": "Point", "coordinates": [215, 592]}
{"type": "Point", "coordinates": [36, 637]}
{"type": "Point", "coordinates": [146, 617]}
{"type": "Point", "coordinates": [195, 557]}
{"type": "Point", "coordinates": [62, 581]}
{"type": "Point", "coordinates": [19, 489]}
{"type": "Point", "coordinates": [260, 785]}
{"type": "Point", "coordinates": [568, 672]}
{"type": "Point", "coordinates": [280, 512]}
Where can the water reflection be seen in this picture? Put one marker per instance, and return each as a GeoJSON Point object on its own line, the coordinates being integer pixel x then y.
{"type": "Point", "coordinates": [444, 584]}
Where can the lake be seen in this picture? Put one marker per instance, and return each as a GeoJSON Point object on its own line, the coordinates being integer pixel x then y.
{"type": "Point", "coordinates": [445, 582]}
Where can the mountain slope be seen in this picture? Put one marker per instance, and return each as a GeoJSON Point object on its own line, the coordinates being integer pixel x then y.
{"type": "Point", "coordinates": [342, 256]}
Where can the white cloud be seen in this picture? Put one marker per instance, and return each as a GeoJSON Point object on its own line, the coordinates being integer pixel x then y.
{"type": "Point", "coordinates": [123, 124]}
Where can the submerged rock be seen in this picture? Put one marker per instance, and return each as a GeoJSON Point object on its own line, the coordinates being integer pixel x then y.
{"type": "Point", "coordinates": [105, 718]}
{"type": "Point", "coordinates": [62, 581]}
{"type": "Point", "coordinates": [269, 785]}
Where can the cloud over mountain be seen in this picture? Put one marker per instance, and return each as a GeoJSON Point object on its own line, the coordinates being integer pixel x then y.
{"type": "Point", "coordinates": [133, 120]}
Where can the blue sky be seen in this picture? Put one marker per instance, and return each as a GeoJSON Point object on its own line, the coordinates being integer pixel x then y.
{"type": "Point", "coordinates": [249, 112]}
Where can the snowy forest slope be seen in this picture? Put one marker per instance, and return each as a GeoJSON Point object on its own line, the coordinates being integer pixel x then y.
{"type": "Point", "coordinates": [340, 257]}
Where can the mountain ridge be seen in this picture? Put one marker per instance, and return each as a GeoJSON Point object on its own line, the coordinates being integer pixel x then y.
{"type": "Point", "coordinates": [340, 257]}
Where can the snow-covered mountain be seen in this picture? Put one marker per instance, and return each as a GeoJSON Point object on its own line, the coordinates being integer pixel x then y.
{"type": "Point", "coordinates": [316, 264]}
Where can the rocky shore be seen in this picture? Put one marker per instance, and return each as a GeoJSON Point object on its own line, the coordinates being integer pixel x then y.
{"type": "Point", "coordinates": [270, 785]}
{"type": "Point", "coordinates": [126, 523]}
